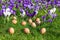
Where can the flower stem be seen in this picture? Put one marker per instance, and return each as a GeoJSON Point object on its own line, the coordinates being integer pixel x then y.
{"type": "Point", "coordinates": [8, 19]}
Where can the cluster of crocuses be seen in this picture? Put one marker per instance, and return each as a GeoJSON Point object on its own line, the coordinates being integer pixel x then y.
{"type": "Point", "coordinates": [25, 6]}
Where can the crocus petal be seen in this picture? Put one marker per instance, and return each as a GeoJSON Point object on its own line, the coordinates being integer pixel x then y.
{"type": "Point", "coordinates": [5, 14]}
{"type": "Point", "coordinates": [49, 20]}
{"type": "Point", "coordinates": [3, 6]}
{"type": "Point", "coordinates": [8, 13]}
{"type": "Point", "coordinates": [8, 10]}
{"type": "Point", "coordinates": [13, 12]}
{"type": "Point", "coordinates": [22, 12]}
{"type": "Point", "coordinates": [53, 15]}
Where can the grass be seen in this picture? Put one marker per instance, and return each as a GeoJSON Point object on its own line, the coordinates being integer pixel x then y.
{"type": "Point", "coordinates": [53, 29]}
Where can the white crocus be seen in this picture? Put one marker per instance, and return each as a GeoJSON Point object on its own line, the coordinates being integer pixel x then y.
{"type": "Point", "coordinates": [36, 12]}
{"type": "Point", "coordinates": [23, 13]}
{"type": "Point", "coordinates": [7, 12]}
{"type": "Point", "coordinates": [52, 10]}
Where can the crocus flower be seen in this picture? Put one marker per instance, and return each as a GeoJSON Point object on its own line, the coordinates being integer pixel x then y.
{"type": "Point", "coordinates": [30, 7]}
{"type": "Point", "coordinates": [7, 12]}
{"type": "Point", "coordinates": [31, 14]}
{"type": "Point", "coordinates": [52, 12]}
{"type": "Point", "coordinates": [49, 20]}
{"type": "Point", "coordinates": [48, 0]}
{"type": "Point", "coordinates": [44, 18]}
{"type": "Point", "coordinates": [58, 3]}
{"type": "Point", "coordinates": [54, 15]}
{"type": "Point", "coordinates": [12, 1]}
{"type": "Point", "coordinates": [13, 12]}
{"type": "Point", "coordinates": [22, 12]}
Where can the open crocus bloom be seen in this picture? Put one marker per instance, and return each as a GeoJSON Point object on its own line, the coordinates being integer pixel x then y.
{"type": "Point", "coordinates": [52, 10]}
{"type": "Point", "coordinates": [7, 12]}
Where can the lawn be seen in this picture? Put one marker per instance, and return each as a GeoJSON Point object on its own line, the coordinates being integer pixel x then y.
{"type": "Point", "coordinates": [52, 29]}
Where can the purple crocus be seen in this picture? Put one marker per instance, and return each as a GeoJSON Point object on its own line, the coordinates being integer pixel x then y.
{"type": "Point", "coordinates": [49, 20]}
{"type": "Point", "coordinates": [44, 18]}
{"type": "Point", "coordinates": [17, 5]}
{"type": "Point", "coordinates": [30, 14]}
{"type": "Point", "coordinates": [12, 1]}
{"type": "Point", "coordinates": [58, 3]}
{"type": "Point", "coordinates": [3, 6]}
{"type": "Point", "coordinates": [13, 12]}
{"type": "Point", "coordinates": [53, 15]}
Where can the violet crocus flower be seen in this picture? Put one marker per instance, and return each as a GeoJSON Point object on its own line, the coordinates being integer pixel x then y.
{"type": "Point", "coordinates": [58, 3]}
{"type": "Point", "coordinates": [30, 14]}
{"type": "Point", "coordinates": [48, 0]}
{"type": "Point", "coordinates": [3, 6]}
{"type": "Point", "coordinates": [12, 1]}
{"type": "Point", "coordinates": [26, 3]}
{"type": "Point", "coordinates": [49, 20]}
{"type": "Point", "coordinates": [17, 5]}
{"type": "Point", "coordinates": [19, 1]}
{"type": "Point", "coordinates": [30, 7]}
{"type": "Point", "coordinates": [44, 18]}
{"type": "Point", "coordinates": [53, 15]}
{"type": "Point", "coordinates": [13, 12]}
{"type": "Point", "coordinates": [36, 7]}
